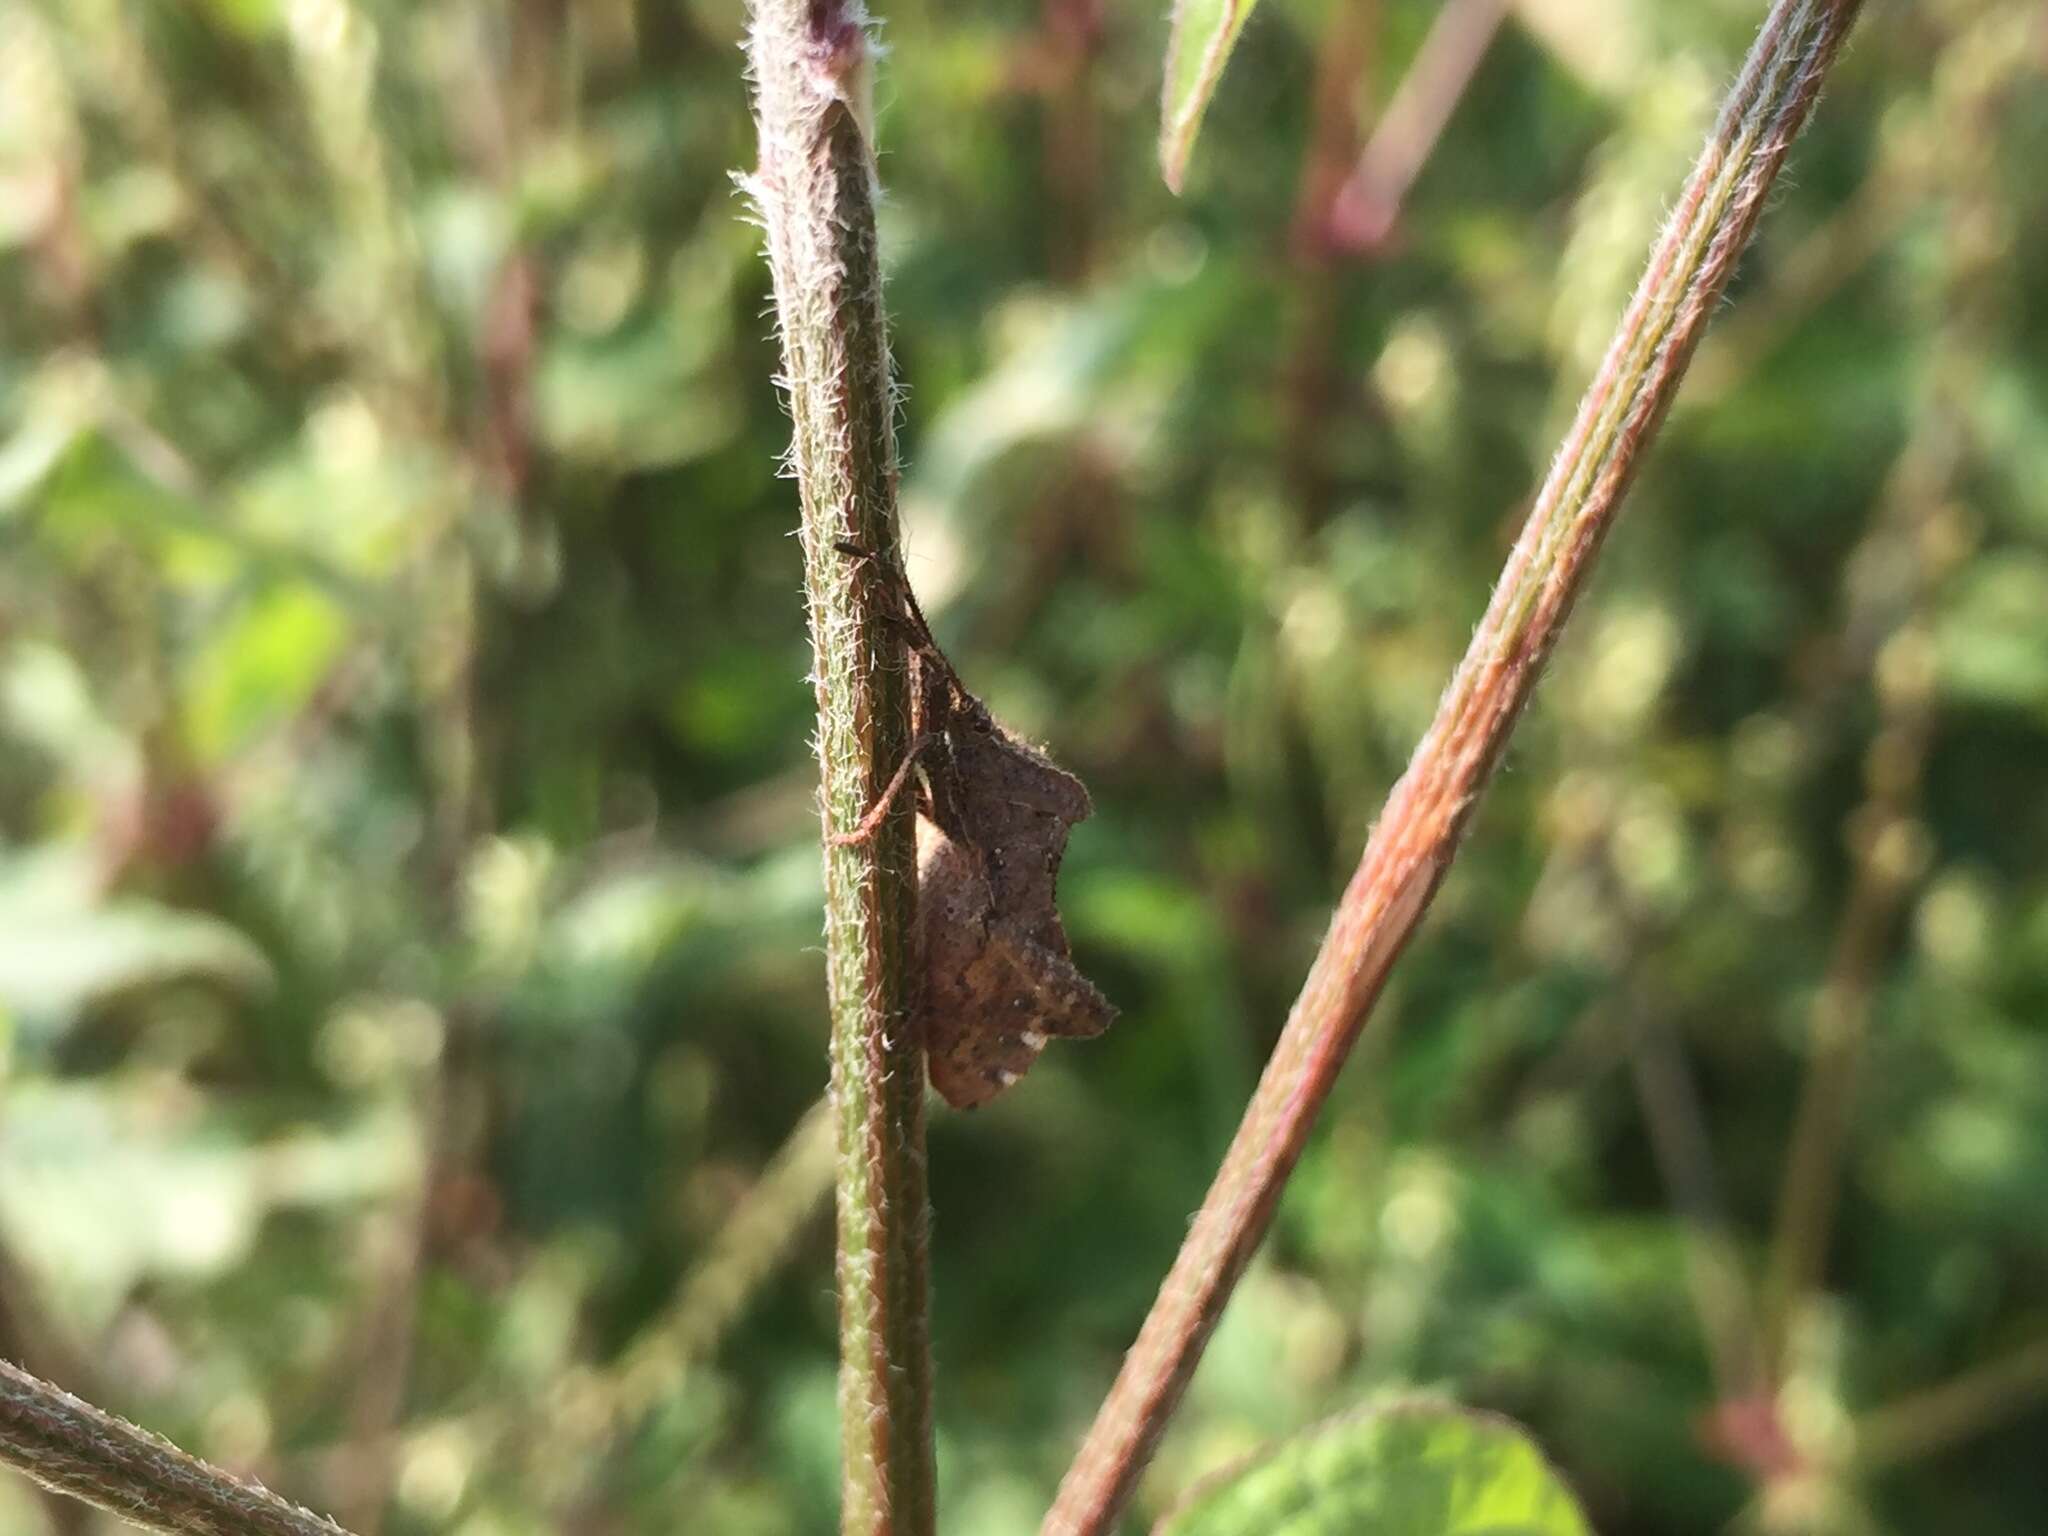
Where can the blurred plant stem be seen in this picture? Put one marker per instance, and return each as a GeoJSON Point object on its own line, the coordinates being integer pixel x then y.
{"type": "Point", "coordinates": [754, 1242]}
{"type": "Point", "coordinates": [1895, 575]}
{"type": "Point", "coordinates": [1362, 214]}
{"type": "Point", "coordinates": [1427, 811]}
{"type": "Point", "coordinates": [1677, 1123]}
{"type": "Point", "coordinates": [1316, 379]}
{"type": "Point", "coordinates": [379, 289]}
{"type": "Point", "coordinates": [1070, 40]}
{"type": "Point", "coordinates": [1929, 1422]}
{"type": "Point", "coordinates": [73, 1448]}
{"type": "Point", "coordinates": [750, 1245]}
{"type": "Point", "coordinates": [815, 189]}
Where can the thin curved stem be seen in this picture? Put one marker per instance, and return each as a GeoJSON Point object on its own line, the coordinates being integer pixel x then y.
{"type": "Point", "coordinates": [1929, 1422]}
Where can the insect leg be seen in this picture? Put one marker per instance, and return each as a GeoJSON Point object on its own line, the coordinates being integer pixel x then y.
{"type": "Point", "coordinates": [873, 819]}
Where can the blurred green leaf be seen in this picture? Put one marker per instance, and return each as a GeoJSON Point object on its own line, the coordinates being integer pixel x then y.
{"type": "Point", "coordinates": [107, 1184]}
{"type": "Point", "coordinates": [261, 665]}
{"type": "Point", "coordinates": [30, 456]}
{"type": "Point", "coordinates": [254, 17]}
{"type": "Point", "coordinates": [1991, 644]}
{"type": "Point", "coordinates": [61, 951]}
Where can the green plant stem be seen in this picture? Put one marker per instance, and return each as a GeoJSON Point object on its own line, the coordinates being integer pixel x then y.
{"type": "Point", "coordinates": [815, 189]}
{"type": "Point", "coordinates": [72, 1447]}
{"type": "Point", "coordinates": [1930, 1422]}
{"type": "Point", "coordinates": [1427, 811]}
{"type": "Point", "coordinates": [1677, 1124]}
{"type": "Point", "coordinates": [752, 1244]}
{"type": "Point", "coordinates": [587, 1427]}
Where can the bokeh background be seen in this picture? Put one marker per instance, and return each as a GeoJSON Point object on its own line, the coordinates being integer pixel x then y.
{"type": "Point", "coordinates": [410, 987]}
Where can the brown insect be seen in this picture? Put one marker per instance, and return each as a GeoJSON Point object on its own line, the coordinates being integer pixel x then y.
{"type": "Point", "coordinates": [997, 979]}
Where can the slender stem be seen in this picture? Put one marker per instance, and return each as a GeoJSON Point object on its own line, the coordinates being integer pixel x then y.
{"type": "Point", "coordinates": [1889, 850]}
{"type": "Point", "coordinates": [1428, 809]}
{"type": "Point", "coordinates": [816, 193]}
{"type": "Point", "coordinates": [1314, 373]}
{"type": "Point", "coordinates": [1362, 214]}
{"type": "Point", "coordinates": [72, 1447]}
{"type": "Point", "coordinates": [1677, 1124]}
{"type": "Point", "coordinates": [1933, 1420]}
{"type": "Point", "coordinates": [754, 1241]}
{"type": "Point", "coordinates": [586, 1428]}
{"type": "Point", "coordinates": [337, 48]}
{"type": "Point", "coordinates": [1345, 53]}
{"type": "Point", "coordinates": [1071, 126]}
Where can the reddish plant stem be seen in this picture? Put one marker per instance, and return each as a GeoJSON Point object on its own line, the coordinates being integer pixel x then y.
{"type": "Point", "coordinates": [1362, 214]}
{"type": "Point", "coordinates": [1426, 813]}
{"type": "Point", "coordinates": [1314, 378]}
{"type": "Point", "coordinates": [1344, 56]}
{"type": "Point", "coordinates": [1071, 129]}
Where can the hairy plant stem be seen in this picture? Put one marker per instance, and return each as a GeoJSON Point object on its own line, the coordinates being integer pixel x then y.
{"type": "Point", "coordinates": [1427, 811]}
{"type": "Point", "coordinates": [72, 1447]}
{"type": "Point", "coordinates": [815, 189]}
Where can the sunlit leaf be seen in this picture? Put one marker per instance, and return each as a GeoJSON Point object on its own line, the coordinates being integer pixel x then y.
{"type": "Point", "coordinates": [253, 18]}
{"type": "Point", "coordinates": [1406, 1469]}
{"type": "Point", "coordinates": [29, 457]}
{"type": "Point", "coordinates": [262, 664]}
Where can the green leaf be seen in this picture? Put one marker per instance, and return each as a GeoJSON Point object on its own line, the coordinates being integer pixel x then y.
{"type": "Point", "coordinates": [1204, 32]}
{"type": "Point", "coordinates": [1402, 1469]}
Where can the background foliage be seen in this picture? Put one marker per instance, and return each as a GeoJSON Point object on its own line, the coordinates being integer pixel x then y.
{"type": "Point", "coordinates": [410, 999]}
